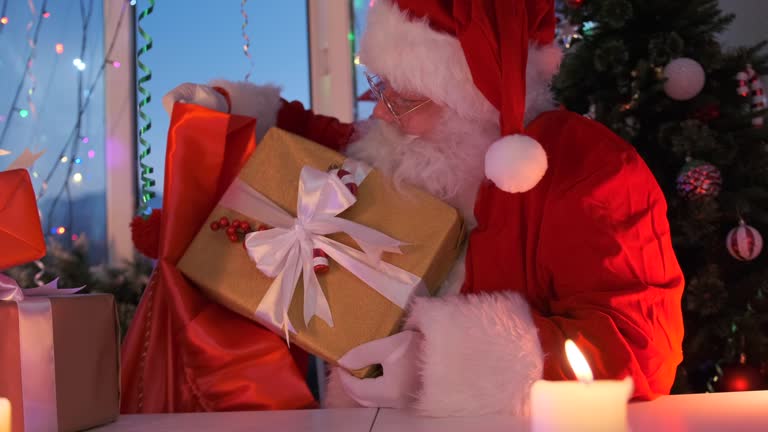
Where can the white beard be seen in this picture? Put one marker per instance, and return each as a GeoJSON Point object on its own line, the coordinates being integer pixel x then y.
{"type": "Point", "coordinates": [448, 163]}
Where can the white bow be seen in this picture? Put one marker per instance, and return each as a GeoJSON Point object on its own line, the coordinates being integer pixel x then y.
{"type": "Point", "coordinates": [11, 291]}
{"type": "Point", "coordinates": [285, 251]}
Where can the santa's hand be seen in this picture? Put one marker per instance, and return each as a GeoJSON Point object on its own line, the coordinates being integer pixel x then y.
{"type": "Point", "coordinates": [397, 387]}
{"type": "Point", "coordinates": [197, 94]}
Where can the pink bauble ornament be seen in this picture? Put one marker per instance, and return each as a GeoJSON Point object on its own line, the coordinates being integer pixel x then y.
{"type": "Point", "coordinates": [685, 79]}
{"type": "Point", "coordinates": [699, 180]}
{"type": "Point", "coordinates": [744, 242]}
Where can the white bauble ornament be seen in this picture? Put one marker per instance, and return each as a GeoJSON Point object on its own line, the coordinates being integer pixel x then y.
{"type": "Point", "coordinates": [685, 79]}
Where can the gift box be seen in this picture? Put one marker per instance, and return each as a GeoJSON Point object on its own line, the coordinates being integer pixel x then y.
{"type": "Point", "coordinates": [21, 238]}
{"type": "Point", "coordinates": [380, 245]}
{"type": "Point", "coordinates": [59, 361]}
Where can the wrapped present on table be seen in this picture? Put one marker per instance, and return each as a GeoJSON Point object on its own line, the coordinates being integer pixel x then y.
{"type": "Point", "coordinates": [321, 248]}
{"type": "Point", "coordinates": [58, 357]}
{"type": "Point", "coordinates": [21, 238]}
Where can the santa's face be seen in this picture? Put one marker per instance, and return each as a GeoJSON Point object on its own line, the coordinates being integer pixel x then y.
{"type": "Point", "coordinates": [446, 159]}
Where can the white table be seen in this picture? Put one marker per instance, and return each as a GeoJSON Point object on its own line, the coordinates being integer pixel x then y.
{"type": "Point", "coordinates": [344, 420]}
{"type": "Point", "coordinates": [721, 412]}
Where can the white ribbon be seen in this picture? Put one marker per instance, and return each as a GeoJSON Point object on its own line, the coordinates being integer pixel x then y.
{"type": "Point", "coordinates": [11, 291]}
{"type": "Point", "coordinates": [38, 365]}
{"type": "Point", "coordinates": [285, 251]}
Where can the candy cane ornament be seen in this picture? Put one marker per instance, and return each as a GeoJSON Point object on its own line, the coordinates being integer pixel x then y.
{"type": "Point", "coordinates": [750, 84]}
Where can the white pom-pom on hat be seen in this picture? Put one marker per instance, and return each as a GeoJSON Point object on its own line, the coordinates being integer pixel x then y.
{"type": "Point", "coordinates": [515, 163]}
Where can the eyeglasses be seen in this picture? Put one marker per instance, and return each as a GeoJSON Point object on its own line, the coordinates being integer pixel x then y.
{"type": "Point", "coordinates": [397, 104]}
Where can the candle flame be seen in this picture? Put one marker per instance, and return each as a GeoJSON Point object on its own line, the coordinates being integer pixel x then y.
{"type": "Point", "coordinates": [578, 362]}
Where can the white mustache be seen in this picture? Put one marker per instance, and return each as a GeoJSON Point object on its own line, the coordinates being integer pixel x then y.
{"type": "Point", "coordinates": [448, 163]}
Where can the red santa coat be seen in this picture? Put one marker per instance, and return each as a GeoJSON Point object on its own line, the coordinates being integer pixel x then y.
{"type": "Point", "coordinates": [590, 249]}
{"type": "Point", "coordinates": [585, 255]}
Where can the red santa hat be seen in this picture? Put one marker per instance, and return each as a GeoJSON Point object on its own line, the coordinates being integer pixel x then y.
{"type": "Point", "coordinates": [472, 56]}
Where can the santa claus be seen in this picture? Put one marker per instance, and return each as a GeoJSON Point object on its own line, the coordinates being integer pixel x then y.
{"type": "Point", "coordinates": [569, 237]}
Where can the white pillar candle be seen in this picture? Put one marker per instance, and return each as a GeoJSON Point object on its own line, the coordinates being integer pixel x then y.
{"type": "Point", "coordinates": [583, 405]}
{"type": "Point", "coordinates": [5, 415]}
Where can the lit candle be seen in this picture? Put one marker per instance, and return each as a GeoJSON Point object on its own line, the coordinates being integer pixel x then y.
{"type": "Point", "coordinates": [5, 415]}
{"type": "Point", "coordinates": [583, 405]}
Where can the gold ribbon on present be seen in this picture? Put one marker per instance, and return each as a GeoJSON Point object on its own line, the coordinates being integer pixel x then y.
{"type": "Point", "coordinates": [285, 251]}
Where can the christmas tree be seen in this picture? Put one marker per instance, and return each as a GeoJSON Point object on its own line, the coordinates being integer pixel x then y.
{"type": "Point", "coordinates": [654, 72]}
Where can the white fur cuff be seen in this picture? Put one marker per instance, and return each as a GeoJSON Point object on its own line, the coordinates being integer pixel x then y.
{"type": "Point", "coordinates": [335, 396]}
{"type": "Point", "coordinates": [481, 354]}
{"type": "Point", "coordinates": [260, 102]}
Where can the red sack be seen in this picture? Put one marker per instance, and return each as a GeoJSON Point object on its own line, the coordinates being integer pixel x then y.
{"type": "Point", "coordinates": [184, 352]}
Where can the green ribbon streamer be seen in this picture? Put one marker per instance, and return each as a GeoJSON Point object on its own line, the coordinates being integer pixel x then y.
{"type": "Point", "coordinates": [146, 179]}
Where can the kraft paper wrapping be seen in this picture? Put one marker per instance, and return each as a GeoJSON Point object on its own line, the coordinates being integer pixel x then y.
{"type": "Point", "coordinates": [432, 230]}
{"type": "Point", "coordinates": [86, 352]}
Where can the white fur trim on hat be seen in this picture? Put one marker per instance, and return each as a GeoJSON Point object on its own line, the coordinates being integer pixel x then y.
{"type": "Point", "coordinates": [414, 57]}
{"type": "Point", "coordinates": [481, 354]}
{"type": "Point", "coordinates": [515, 163]}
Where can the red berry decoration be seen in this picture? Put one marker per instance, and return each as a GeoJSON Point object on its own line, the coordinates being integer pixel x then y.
{"type": "Point", "coordinates": [699, 180]}
{"type": "Point", "coordinates": [235, 230]}
{"type": "Point", "coordinates": [574, 4]}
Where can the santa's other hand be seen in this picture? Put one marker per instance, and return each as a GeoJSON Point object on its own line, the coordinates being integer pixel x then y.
{"type": "Point", "coordinates": [197, 94]}
{"type": "Point", "coordinates": [398, 386]}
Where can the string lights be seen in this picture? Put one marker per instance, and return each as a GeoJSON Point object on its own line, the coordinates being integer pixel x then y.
{"type": "Point", "coordinates": [3, 17]}
{"type": "Point", "coordinates": [27, 65]}
{"type": "Point", "coordinates": [73, 160]}
{"type": "Point", "coordinates": [69, 154]}
{"type": "Point", "coordinates": [79, 64]}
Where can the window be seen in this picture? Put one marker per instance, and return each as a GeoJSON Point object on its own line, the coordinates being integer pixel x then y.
{"type": "Point", "coordinates": [363, 106]}
{"type": "Point", "coordinates": [51, 69]}
{"type": "Point", "coordinates": [203, 40]}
